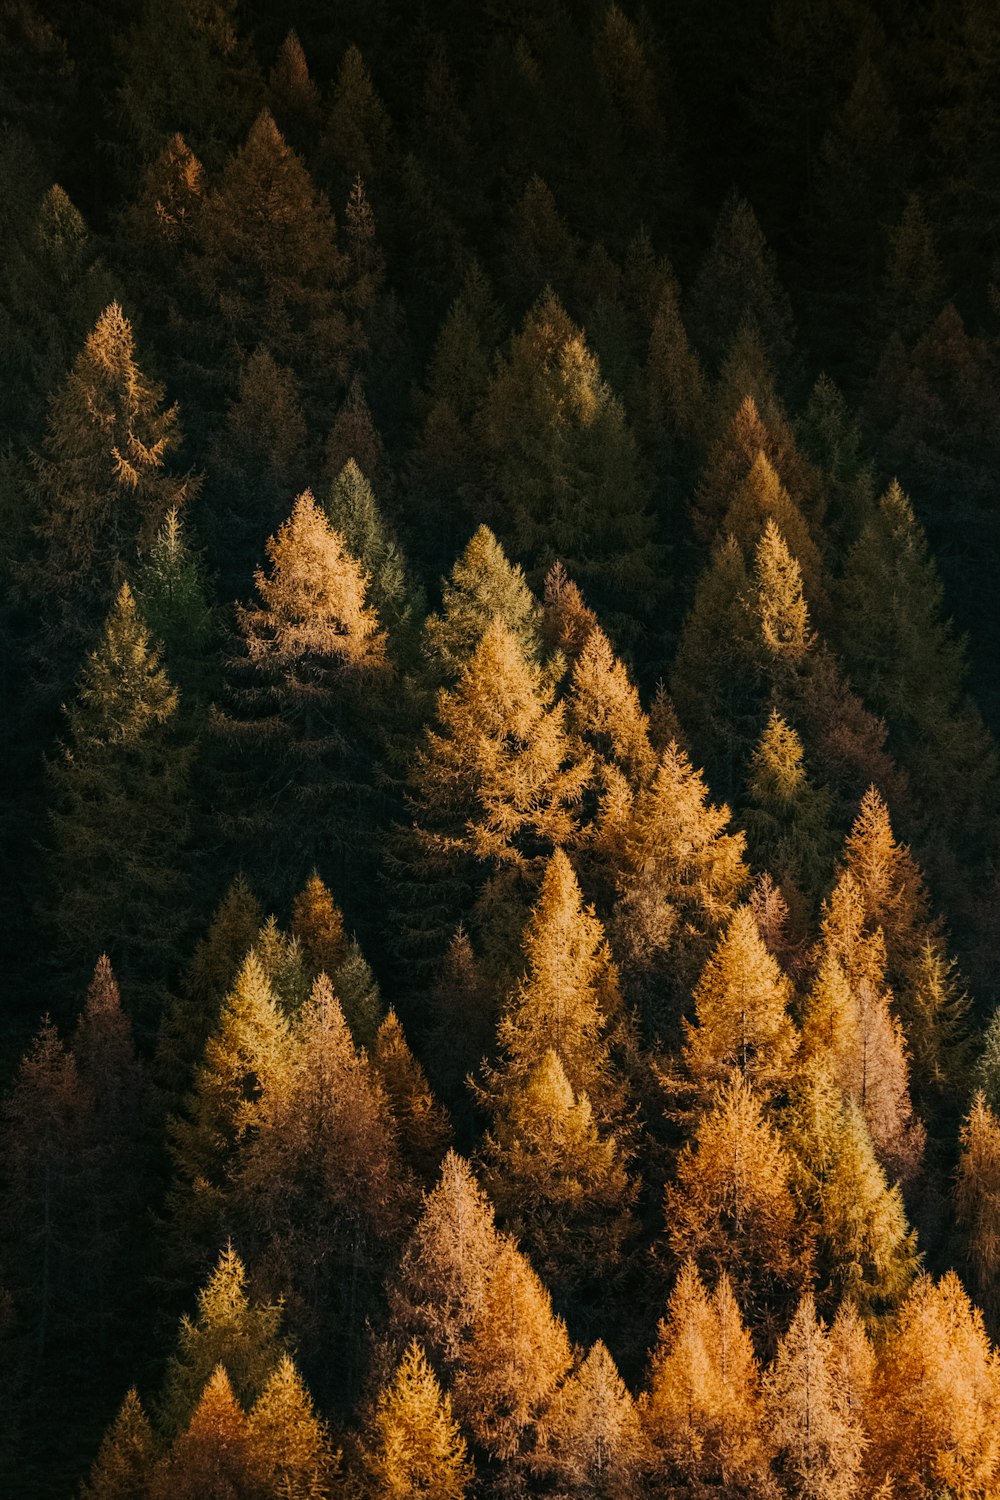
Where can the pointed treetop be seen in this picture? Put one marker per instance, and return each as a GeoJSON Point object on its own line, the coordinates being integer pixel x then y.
{"type": "Point", "coordinates": [482, 586]}
{"type": "Point", "coordinates": [416, 1446]}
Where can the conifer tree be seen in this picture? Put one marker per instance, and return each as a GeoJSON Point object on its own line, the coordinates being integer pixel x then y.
{"type": "Point", "coordinates": [753, 434]}
{"type": "Point", "coordinates": [737, 283]}
{"type": "Point", "coordinates": [934, 1426]}
{"type": "Point", "coordinates": [559, 1183]}
{"type": "Point", "coordinates": [565, 466]}
{"type": "Point", "coordinates": [761, 497]}
{"type": "Point", "coordinates": [173, 598]}
{"type": "Point", "coordinates": [212, 1458]}
{"type": "Point", "coordinates": [124, 1461]}
{"type": "Point", "coordinates": [517, 1354]}
{"type": "Point", "coordinates": [357, 136]}
{"type": "Point", "coordinates": [674, 411]}
{"type": "Point", "coordinates": [422, 1124]}
{"type": "Point", "coordinates": [566, 619]}
{"type": "Point", "coordinates": [741, 1016]}
{"type": "Point", "coordinates": [293, 97]}
{"type": "Point", "coordinates": [121, 808]}
{"type": "Point", "coordinates": [590, 1440]}
{"type": "Point", "coordinates": [789, 818]}
{"type": "Point", "coordinates": [353, 435]}
{"type": "Point", "coordinates": [977, 1199]}
{"type": "Point", "coordinates": [318, 924]}
{"type": "Point", "coordinates": [818, 1439]}
{"type": "Point", "coordinates": [308, 654]}
{"type": "Point", "coordinates": [731, 1207]}
{"type": "Point", "coordinates": [913, 284]}
{"type": "Point", "coordinates": [464, 1016]}
{"type": "Point", "coordinates": [249, 1046]}
{"type": "Point", "coordinates": [482, 586]}
{"type": "Point", "coordinates": [353, 513]}
{"type": "Point", "coordinates": [681, 873]}
{"type": "Point", "coordinates": [319, 1189]}
{"type": "Point", "coordinates": [232, 1332]}
{"type": "Point", "coordinates": [446, 1266]}
{"type": "Point", "coordinates": [605, 712]}
{"type": "Point", "coordinates": [100, 490]}
{"type": "Point", "coordinates": [416, 1446]}
{"type": "Point", "coordinates": [290, 1444]}
{"type": "Point", "coordinates": [704, 1410]}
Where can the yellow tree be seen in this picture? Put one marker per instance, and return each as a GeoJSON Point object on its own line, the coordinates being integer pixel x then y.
{"type": "Point", "coordinates": [483, 585]}
{"type": "Point", "coordinates": [125, 1458]}
{"type": "Point", "coordinates": [605, 712]}
{"type": "Point", "coordinates": [290, 1444]}
{"type": "Point", "coordinates": [558, 1182]}
{"type": "Point", "coordinates": [789, 817]}
{"type": "Point", "coordinates": [731, 1207]}
{"type": "Point", "coordinates": [704, 1412]}
{"type": "Point", "coordinates": [590, 1440]}
{"type": "Point", "coordinates": [741, 1021]}
{"type": "Point", "coordinates": [517, 1354]}
{"type": "Point", "coordinates": [761, 497]}
{"type": "Point", "coordinates": [936, 1424]}
{"type": "Point", "coordinates": [416, 1448]}
{"type": "Point", "coordinates": [212, 1458]}
{"type": "Point", "coordinates": [977, 1199]}
{"type": "Point", "coordinates": [818, 1439]}
{"type": "Point", "coordinates": [422, 1125]}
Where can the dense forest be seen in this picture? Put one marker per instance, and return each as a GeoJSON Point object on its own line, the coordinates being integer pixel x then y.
{"type": "Point", "coordinates": [500, 801]}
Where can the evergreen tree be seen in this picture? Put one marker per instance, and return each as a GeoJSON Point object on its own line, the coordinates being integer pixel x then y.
{"type": "Point", "coordinates": [482, 586]}
{"type": "Point", "coordinates": [293, 97]}
{"type": "Point", "coordinates": [120, 817]}
{"type": "Point", "coordinates": [737, 282]}
{"type": "Point", "coordinates": [100, 491]}
{"type": "Point", "coordinates": [422, 1124]}
{"type": "Point", "coordinates": [416, 1447]}
{"type": "Point", "coordinates": [605, 712]}
{"type": "Point", "coordinates": [174, 600]}
{"type": "Point", "coordinates": [566, 620]}
{"type": "Point", "coordinates": [818, 1439]}
{"type": "Point", "coordinates": [231, 1332]}
{"type": "Point", "coordinates": [353, 513]}
{"type": "Point", "coordinates": [789, 818]}
{"type": "Point", "coordinates": [977, 1199]}
{"type": "Point", "coordinates": [357, 136]}
{"type": "Point", "coordinates": [212, 1458]}
{"type": "Point", "coordinates": [308, 655]}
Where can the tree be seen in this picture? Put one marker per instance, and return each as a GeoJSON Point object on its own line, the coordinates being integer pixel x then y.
{"type": "Point", "coordinates": [357, 136]}
{"type": "Point", "coordinates": [559, 1183]}
{"type": "Point", "coordinates": [319, 1189]}
{"type": "Point", "coordinates": [517, 1354]}
{"type": "Point", "coordinates": [293, 97]}
{"type": "Point", "coordinates": [120, 816]}
{"type": "Point", "coordinates": [482, 586]}
{"type": "Point", "coordinates": [737, 283]}
{"type": "Point", "coordinates": [605, 712]}
{"type": "Point", "coordinates": [309, 654]}
{"type": "Point", "coordinates": [422, 1124]}
{"type": "Point", "coordinates": [731, 1207]}
{"type": "Point", "coordinates": [789, 818]}
{"type": "Point", "coordinates": [353, 513]}
{"type": "Point", "coordinates": [290, 1444]}
{"type": "Point", "coordinates": [173, 598]}
{"type": "Point", "coordinates": [565, 466]}
{"type": "Point", "coordinates": [704, 1412]}
{"type": "Point", "coordinates": [232, 1333]}
{"type": "Point", "coordinates": [818, 1439]}
{"type": "Point", "coordinates": [590, 1440]}
{"type": "Point", "coordinates": [977, 1199]}
{"type": "Point", "coordinates": [446, 1265]}
{"type": "Point", "coordinates": [212, 1457]}
{"type": "Point", "coordinates": [760, 497]}
{"type": "Point", "coordinates": [566, 620]}
{"type": "Point", "coordinates": [125, 1458]}
{"type": "Point", "coordinates": [416, 1447]}
{"type": "Point", "coordinates": [248, 1047]}
{"type": "Point", "coordinates": [100, 491]}
{"type": "Point", "coordinates": [680, 875]}
{"type": "Point", "coordinates": [935, 1420]}
{"type": "Point", "coordinates": [741, 1016]}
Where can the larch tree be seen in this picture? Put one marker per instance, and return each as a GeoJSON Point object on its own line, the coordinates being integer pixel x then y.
{"type": "Point", "coordinates": [212, 1457]}
{"type": "Point", "coordinates": [761, 497]}
{"type": "Point", "coordinates": [101, 487]}
{"type": "Point", "coordinates": [681, 872]}
{"type": "Point", "coordinates": [125, 1459]}
{"type": "Point", "coordinates": [357, 134]}
{"type": "Point", "coordinates": [483, 586]}
{"type": "Point", "coordinates": [737, 283]}
{"type": "Point", "coordinates": [231, 1331]}
{"type": "Point", "coordinates": [416, 1447]}
{"type": "Point", "coordinates": [977, 1200]}
{"type": "Point", "coordinates": [309, 656]}
{"type": "Point", "coordinates": [566, 619]}
{"type": "Point", "coordinates": [293, 97]}
{"type": "Point", "coordinates": [290, 1444]}
{"type": "Point", "coordinates": [422, 1124]}
{"type": "Point", "coordinates": [741, 1018]}
{"type": "Point", "coordinates": [121, 809]}
{"type": "Point", "coordinates": [174, 599]}
{"type": "Point", "coordinates": [318, 1190]}
{"type": "Point", "coordinates": [607, 716]}
{"type": "Point", "coordinates": [446, 1265]}
{"type": "Point", "coordinates": [731, 1207]}
{"type": "Point", "coordinates": [935, 1421]}
{"type": "Point", "coordinates": [559, 1183]}
{"type": "Point", "coordinates": [818, 1440]}
{"type": "Point", "coordinates": [566, 468]}
{"type": "Point", "coordinates": [704, 1413]}
{"type": "Point", "coordinates": [353, 512]}
{"type": "Point", "coordinates": [517, 1355]}
{"type": "Point", "coordinates": [789, 818]}
{"type": "Point", "coordinates": [591, 1441]}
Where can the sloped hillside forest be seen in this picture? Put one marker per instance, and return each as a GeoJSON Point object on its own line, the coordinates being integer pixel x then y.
{"type": "Point", "coordinates": [500, 809]}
